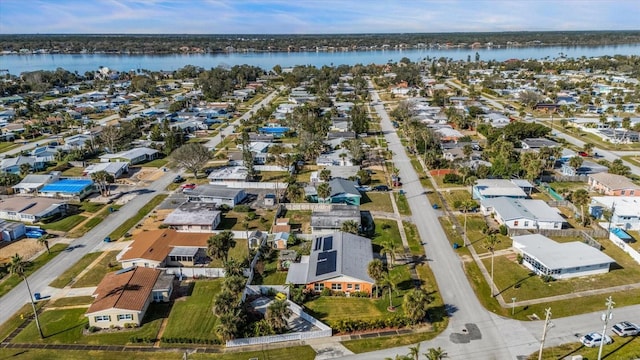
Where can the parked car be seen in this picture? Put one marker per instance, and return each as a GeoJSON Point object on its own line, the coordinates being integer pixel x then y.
{"type": "Point", "coordinates": [189, 186]}
{"type": "Point", "coordinates": [34, 234]}
{"type": "Point", "coordinates": [583, 154]}
{"type": "Point", "coordinates": [178, 179]}
{"type": "Point", "coordinates": [594, 339]}
{"type": "Point", "coordinates": [626, 328]}
{"type": "Point", "coordinates": [381, 188]}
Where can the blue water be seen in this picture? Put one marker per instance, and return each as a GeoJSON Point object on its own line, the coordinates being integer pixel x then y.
{"type": "Point", "coordinates": [81, 63]}
{"type": "Point", "coordinates": [621, 234]}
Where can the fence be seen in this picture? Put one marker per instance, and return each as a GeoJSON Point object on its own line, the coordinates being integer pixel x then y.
{"type": "Point", "coordinates": [307, 206]}
{"type": "Point", "coordinates": [325, 331]}
{"type": "Point", "coordinates": [194, 272]}
{"type": "Point", "coordinates": [270, 168]}
{"type": "Point", "coordinates": [565, 203]}
{"type": "Point", "coordinates": [252, 185]}
{"type": "Point", "coordinates": [584, 233]}
{"type": "Point", "coordinates": [564, 178]}
{"type": "Point", "coordinates": [237, 234]}
{"type": "Point", "coordinates": [625, 247]}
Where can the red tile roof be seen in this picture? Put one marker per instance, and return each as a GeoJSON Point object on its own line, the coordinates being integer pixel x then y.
{"type": "Point", "coordinates": [157, 244]}
{"type": "Point", "coordinates": [125, 290]}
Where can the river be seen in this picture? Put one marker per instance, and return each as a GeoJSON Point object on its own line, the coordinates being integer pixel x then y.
{"type": "Point", "coordinates": [81, 63]}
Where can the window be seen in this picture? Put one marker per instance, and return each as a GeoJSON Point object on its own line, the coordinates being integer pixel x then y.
{"type": "Point", "coordinates": [357, 287]}
{"type": "Point", "coordinates": [318, 286]}
{"type": "Point", "coordinates": [526, 223]}
{"type": "Point", "coordinates": [102, 318]}
{"type": "Point", "coordinates": [515, 223]}
{"type": "Point", "coordinates": [349, 286]}
{"type": "Point", "coordinates": [205, 227]}
{"type": "Point", "coordinates": [335, 286]}
{"type": "Point", "coordinates": [125, 317]}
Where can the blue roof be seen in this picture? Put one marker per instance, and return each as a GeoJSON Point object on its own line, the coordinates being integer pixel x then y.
{"type": "Point", "coordinates": [69, 186]}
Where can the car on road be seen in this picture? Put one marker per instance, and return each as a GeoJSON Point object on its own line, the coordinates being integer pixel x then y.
{"type": "Point", "coordinates": [594, 339]}
{"type": "Point", "coordinates": [188, 187]}
{"type": "Point", "coordinates": [583, 154]}
{"type": "Point", "coordinates": [626, 328]}
{"type": "Point", "coordinates": [178, 179]}
{"type": "Point", "coordinates": [381, 188]}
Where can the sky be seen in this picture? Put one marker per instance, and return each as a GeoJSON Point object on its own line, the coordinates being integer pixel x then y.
{"type": "Point", "coordinates": [313, 16]}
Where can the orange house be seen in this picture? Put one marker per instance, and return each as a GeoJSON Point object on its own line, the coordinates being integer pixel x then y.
{"type": "Point", "coordinates": [337, 262]}
{"type": "Point", "coordinates": [613, 185]}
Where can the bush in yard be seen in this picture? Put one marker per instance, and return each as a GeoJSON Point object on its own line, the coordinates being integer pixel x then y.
{"type": "Point", "coordinates": [519, 258]}
{"type": "Point", "coordinates": [339, 294]}
{"type": "Point", "coordinates": [325, 292]}
{"type": "Point", "coordinates": [503, 230]}
{"type": "Point", "coordinates": [93, 329]}
{"type": "Point", "coordinates": [251, 216]}
{"type": "Point", "coordinates": [452, 178]}
{"type": "Point", "coordinates": [242, 208]}
{"type": "Point", "coordinates": [224, 207]}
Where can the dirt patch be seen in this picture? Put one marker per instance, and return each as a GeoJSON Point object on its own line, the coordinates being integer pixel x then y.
{"type": "Point", "coordinates": [148, 174]}
{"type": "Point", "coordinates": [153, 221]}
{"type": "Point", "coordinates": [466, 258]}
{"type": "Point", "coordinates": [26, 248]}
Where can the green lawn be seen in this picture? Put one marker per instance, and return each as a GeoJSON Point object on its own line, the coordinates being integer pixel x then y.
{"type": "Point", "coordinates": [73, 172]}
{"type": "Point", "coordinates": [65, 327]}
{"type": "Point", "coordinates": [268, 176]}
{"type": "Point", "coordinates": [621, 348]}
{"type": "Point", "coordinates": [386, 230]}
{"type": "Point", "coordinates": [413, 238]}
{"type": "Point", "coordinates": [403, 205]}
{"type": "Point", "coordinates": [239, 252]}
{"type": "Point", "coordinates": [289, 353]}
{"type": "Point", "coordinates": [72, 301]}
{"type": "Point", "coordinates": [193, 317]}
{"type": "Point", "coordinates": [6, 146]}
{"type": "Point", "coordinates": [95, 275]}
{"type": "Point", "coordinates": [12, 280]}
{"type": "Point", "coordinates": [157, 163]}
{"type": "Point", "coordinates": [299, 220]}
{"type": "Point", "coordinates": [93, 222]}
{"type": "Point", "coordinates": [451, 197]}
{"type": "Point", "coordinates": [376, 201]}
{"type": "Point", "coordinates": [91, 207]}
{"type": "Point", "coordinates": [270, 275]}
{"type": "Point", "coordinates": [64, 224]}
{"type": "Point", "coordinates": [16, 320]}
{"type": "Point", "coordinates": [233, 220]}
{"type": "Point", "coordinates": [559, 186]}
{"type": "Point", "coordinates": [66, 277]}
{"type": "Point", "coordinates": [131, 222]}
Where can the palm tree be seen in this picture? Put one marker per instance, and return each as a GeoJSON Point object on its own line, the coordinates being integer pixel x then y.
{"type": "Point", "coordinates": [580, 197]}
{"type": "Point", "coordinates": [389, 249]}
{"type": "Point", "coordinates": [25, 169]}
{"type": "Point", "coordinates": [17, 267]}
{"type": "Point", "coordinates": [390, 282]}
{"type": "Point", "coordinates": [228, 325]}
{"type": "Point", "coordinates": [375, 269]}
{"type": "Point", "coordinates": [414, 351]}
{"type": "Point", "coordinates": [324, 192]}
{"type": "Point", "coordinates": [295, 193]}
{"type": "Point", "coordinates": [587, 147]}
{"type": "Point", "coordinates": [325, 175]}
{"type": "Point", "coordinates": [576, 162]}
{"type": "Point", "coordinates": [220, 244]}
{"type": "Point", "coordinates": [42, 240]}
{"type": "Point", "coordinates": [277, 314]}
{"type": "Point", "coordinates": [224, 302]}
{"type": "Point", "coordinates": [102, 179]}
{"type": "Point", "coordinates": [234, 283]}
{"type": "Point", "coordinates": [436, 354]}
{"type": "Point", "coordinates": [350, 226]}
{"type": "Point", "coordinates": [233, 267]}
{"type": "Point", "coordinates": [466, 205]}
{"type": "Point", "coordinates": [490, 244]}
{"type": "Point", "coordinates": [415, 305]}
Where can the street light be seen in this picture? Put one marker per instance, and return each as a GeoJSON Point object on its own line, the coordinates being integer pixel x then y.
{"type": "Point", "coordinates": [513, 306]}
{"type": "Point", "coordinates": [605, 319]}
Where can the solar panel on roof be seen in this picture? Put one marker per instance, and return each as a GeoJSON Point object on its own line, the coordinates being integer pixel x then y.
{"type": "Point", "coordinates": [327, 244]}
{"type": "Point", "coordinates": [326, 262]}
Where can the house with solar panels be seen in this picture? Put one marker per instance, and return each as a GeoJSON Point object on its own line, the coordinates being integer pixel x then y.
{"type": "Point", "coordinates": [338, 262]}
{"type": "Point", "coordinates": [76, 189]}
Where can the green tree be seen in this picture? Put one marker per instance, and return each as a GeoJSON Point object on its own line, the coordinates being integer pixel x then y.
{"type": "Point", "coordinates": [192, 156]}
{"type": "Point", "coordinates": [43, 240]}
{"type": "Point", "coordinates": [436, 354]}
{"type": "Point", "coordinates": [580, 198]}
{"type": "Point", "coordinates": [295, 193]}
{"type": "Point", "coordinates": [18, 267]}
{"type": "Point", "coordinates": [576, 162]}
{"type": "Point", "coordinates": [102, 179]}
{"type": "Point", "coordinates": [375, 270]}
{"type": "Point", "coordinates": [390, 250]}
{"type": "Point", "coordinates": [350, 226]}
{"type": "Point", "coordinates": [490, 243]}
{"type": "Point", "coordinates": [619, 168]}
{"type": "Point", "coordinates": [324, 192]}
{"type": "Point", "coordinates": [325, 175]}
{"type": "Point", "coordinates": [277, 314]}
{"type": "Point", "coordinates": [123, 110]}
{"type": "Point", "coordinates": [234, 283]}
{"type": "Point", "coordinates": [414, 351]}
{"type": "Point", "coordinates": [228, 324]}
{"type": "Point", "coordinates": [233, 267]}
{"type": "Point", "coordinates": [587, 147]}
{"type": "Point", "coordinates": [390, 282]}
{"type": "Point", "coordinates": [25, 169]}
{"type": "Point", "coordinates": [415, 305]}
{"type": "Point", "coordinates": [218, 245]}
{"type": "Point", "coordinates": [224, 302]}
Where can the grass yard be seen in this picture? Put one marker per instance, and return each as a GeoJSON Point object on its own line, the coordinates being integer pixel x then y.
{"type": "Point", "coordinates": [424, 179]}
{"type": "Point", "coordinates": [91, 207]}
{"type": "Point", "coordinates": [240, 252]}
{"type": "Point", "coordinates": [304, 175]}
{"type": "Point", "coordinates": [65, 327]}
{"type": "Point", "coordinates": [192, 316]}
{"type": "Point", "coordinates": [621, 348]}
{"type": "Point", "coordinates": [289, 353]}
{"type": "Point", "coordinates": [299, 220]}
{"type": "Point", "coordinates": [560, 186]}
{"type": "Point", "coordinates": [269, 275]}
{"type": "Point", "coordinates": [413, 238]}
{"type": "Point", "coordinates": [233, 220]}
{"type": "Point", "coordinates": [376, 201]}
{"type": "Point", "coordinates": [12, 281]}
{"type": "Point", "coordinates": [451, 197]}
{"type": "Point", "coordinates": [66, 277]}
{"type": "Point", "coordinates": [93, 222]}
{"type": "Point", "coordinates": [15, 321]}
{"type": "Point", "coordinates": [94, 276]}
{"type": "Point", "coordinates": [157, 163]}
{"type": "Point", "coordinates": [73, 172]}
{"type": "Point", "coordinates": [268, 176]}
{"type": "Point", "coordinates": [72, 301]}
{"type": "Point", "coordinates": [441, 185]}
{"type": "Point", "coordinates": [403, 205]}
{"type": "Point", "coordinates": [475, 225]}
{"type": "Point", "coordinates": [131, 222]}
{"type": "Point", "coordinates": [386, 230]}
{"type": "Point", "coordinates": [64, 224]}
{"type": "Point", "coordinates": [6, 146]}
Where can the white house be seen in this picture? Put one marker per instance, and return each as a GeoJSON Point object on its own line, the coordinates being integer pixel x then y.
{"type": "Point", "coordinates": [194, 217]}
{"type": "Point", "coordinates": [625, 210]}
{"type": "Point", "coordinates": [218, 194]}
{"type": "Point", "coordinates": [560, 260]}
{"type": "Point", "coordinates": [492, 188]}
{"type": "Point", "coordinates": [523, 213]}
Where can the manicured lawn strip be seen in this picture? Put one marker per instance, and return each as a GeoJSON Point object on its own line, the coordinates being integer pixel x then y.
{"type": "Point", "coordinates": [6, 146]}
{"type": "Point", "coordinates": [413, 238]}
{"type": "Point", "coordinates": [621, 348]}
{"type": "Point", "coordinates": [475, 225]}
{"type": "Point", "coordinates": [131, 222]}
{"type": "Point", "coordinates": [65, 224]}
{"type": "Point", "coordinates": [12, 281]}
{"type": "Point", "coordinates": [65, 327]}
{"type": "Point", "coordinates": [157, 163]}
{"type": "Point", "coordinates": [376, 201]}
{"type": "Point", "coordinates": [14, 321]}
{"type": "Point", "coordinates": [72, 301]}
{"type": "Point", "coordinates": [403, 205]}
{"type": "Point", "coordinates": [95, 275]}
{"type": "Point", "coordinates": [455, 195]}
{"type": "Point", "coordinates": [559, 186]}
{"type": "Point", "coordinates": [635, 160]}
{"type": "Point", "coordinates": [386, 230]}
{"type": "Point", "coordinates": [387, 342]}
{"type": "Point", "coordinates": [240, 252]}
{"type": "Point", "coordinates": [93, 222]}
{"type": "Point", "coordinates": [66, 277]}
{"type": "Point", "coordinates": [91, 207]}
{"type": "Point", "coordinates": [270, 274]}
{"type": "Point", "coordinates": [193, 317]}
{"type": "Point", "coordinates": [289, 353]}
{"type": "Point", "coordinates": [234, 220]}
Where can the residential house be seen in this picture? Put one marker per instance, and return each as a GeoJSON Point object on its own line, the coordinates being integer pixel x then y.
{"type": "Point", "coordinates": [32, 183]}
{"type": "Point", "coordinates": [133, 156]}
{"type": "Point", "coordinates": [560, 260]}
{"type": "Point", "coordinates": [115, 169]}
{"type": "Point", "coordinates": [194, 217]}
{"type": "Point", "coordinates": [338, 262]}
{"type": "Point", "coordinates": [165, 248]}
{"type": "Point", "coordinates": [344, 192]}
{"type": "Point", "coordinates": [587, 168]}
{"type": "Point", "coordinates": [492, 188]}
{"type": "Point", "coordinates": [523, 213]}
{"type": "Point", "coordinates": [68, 188]}
{"type": "Point", "coordinates": [613, 185]}
{"type": "Point", "coordinates": [537, 143]}
{"type": "Point", "coordinates": [496, 120]}
{"type": "Point", "coordinates": [30, 209]}
{"type": "Point", "coordinates": [218, 194]}
{"type": "Point", "coordinates": [624, 210]}
{"type": "Point", "coordinates": [280, 240]}
{"type": "Point", "coordinates": [77, 141]}
{"type": "Point", "coordinates": [228, 174]}
{"type": "Point", "coordinates": [12, 165]}
{"type": "Point", "coordinates": [11, 231]}
{"type": "Point", "coordinates": [332, 220]}
{"type": "Point", "coordinates": [123, 297]}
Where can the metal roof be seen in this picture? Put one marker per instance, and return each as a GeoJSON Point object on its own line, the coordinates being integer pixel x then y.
{"type": "Point", "coordinates": [512, 209]}
{"type": "Point", "coordinates": [554, 255]}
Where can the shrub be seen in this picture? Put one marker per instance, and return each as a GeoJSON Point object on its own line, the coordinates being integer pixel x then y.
{"type": "Point", "coordinates": [93, 329]}
{"type": "Point", "coordinates": [242, 208]}
{"type": "Point", "coordinates": [519, 258]}
{"type": "Point", "coordinates": [325, 292]}
{"type": "Point", "coordinates": [251, 216]}
{"type": "Point", "coordinates": [386, 226]}
{"type": "Point", "coordinates": [452, 178]}
{"type": "Point", "coordinates": [338, 293]}
{"type": "Point", "coordinates": [224, 207]}
{"type": "Point", "coordinates": [503, 230]}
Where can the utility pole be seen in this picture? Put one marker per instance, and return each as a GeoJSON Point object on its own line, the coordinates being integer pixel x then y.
{"type": "Point", "coordinates": [547, 325]}
{"type": "Point", "coordinates": [605, 319]}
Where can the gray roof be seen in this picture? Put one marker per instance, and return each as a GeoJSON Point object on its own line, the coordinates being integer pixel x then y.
{"type": "Point", "coordinates": [536, 143]}
{"type": "Point", "coordinates": [344, 172]}
{"type": "Point", "coordinates": [334, 255]}
{"type": "Point", "coordinates": [335, 217]}
{"type": "Point", "coordinates": [512, 209]}
{"type": "Point", "coordinates": [498, 187]}
{"type": "Point", "coordinates": [193, 214]}
{"type": "Point", "coordinates": [556, 255]}
{"type": "Point", "coordinates": [33, 180]}
{"type": "Point", "coordinates": [214, 191]}
{"type": "Point", "coordinates": [342, 186]}
{"type": "Point", "coordinates": [184, 251]}
{"type": "Point", "coordinates": [614, 181]}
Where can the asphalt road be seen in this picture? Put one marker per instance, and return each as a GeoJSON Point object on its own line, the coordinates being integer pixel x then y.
{"type": "Point", "coordinates": [473, 332]}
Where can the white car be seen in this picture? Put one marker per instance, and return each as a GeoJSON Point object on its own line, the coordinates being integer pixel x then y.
{"type": "Point", "coordinates": [593, 339]}
{"type": "Point", "coordinates": [626, 328]}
